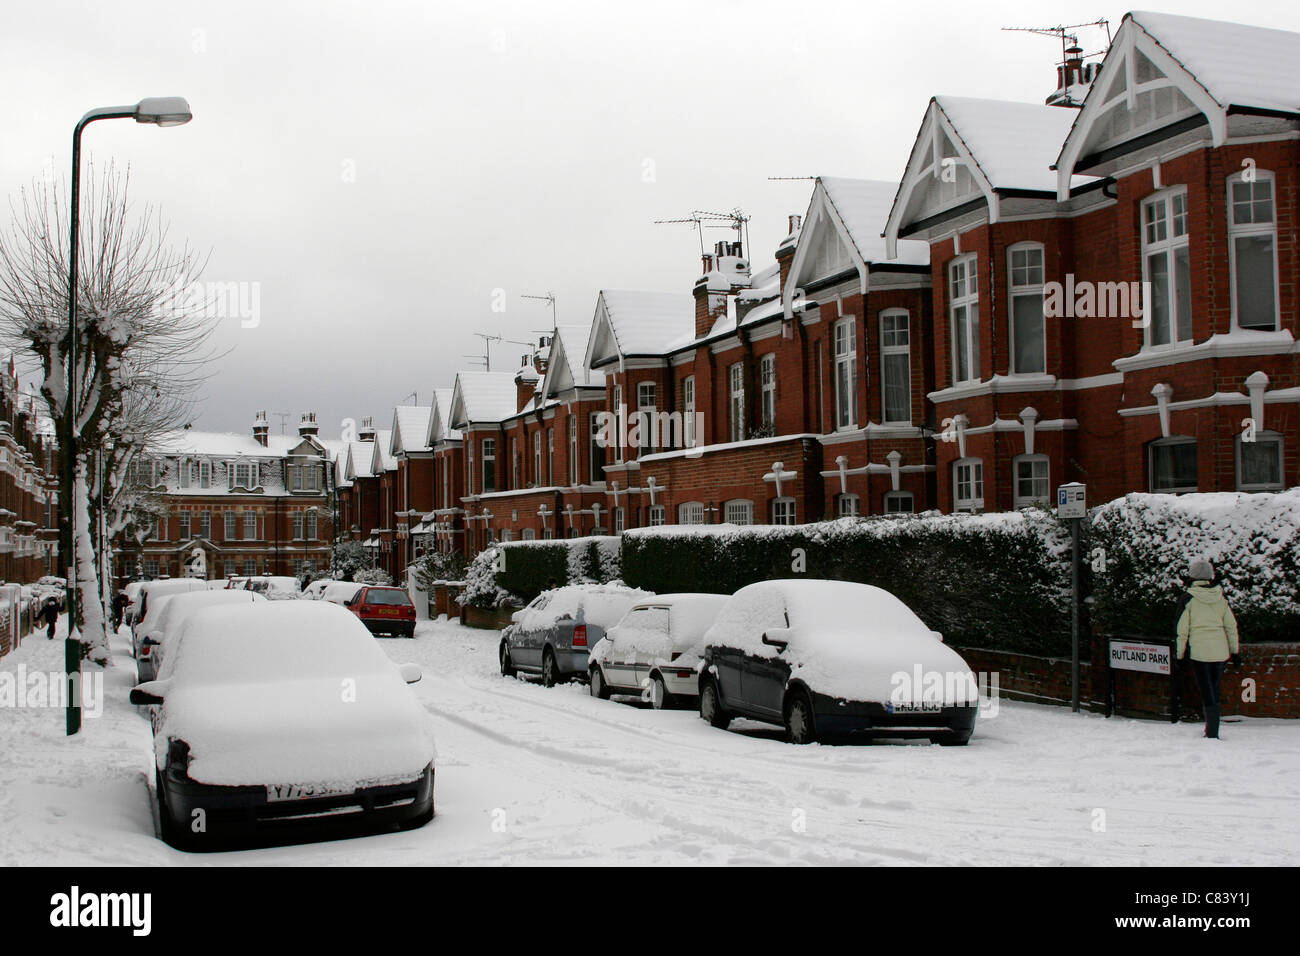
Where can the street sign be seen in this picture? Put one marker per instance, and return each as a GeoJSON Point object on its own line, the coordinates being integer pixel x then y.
{"type": "Point", "coordinates": [1072, 500]}
{"type": "Point", "coordinates": [1137, 656]}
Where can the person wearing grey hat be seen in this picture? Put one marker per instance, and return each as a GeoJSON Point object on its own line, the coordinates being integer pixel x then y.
{"type": "Point", "coordinates": [1207, 632]}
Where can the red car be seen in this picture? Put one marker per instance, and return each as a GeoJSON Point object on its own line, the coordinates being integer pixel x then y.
{"type": "Point", "coordinates": [384, 610]}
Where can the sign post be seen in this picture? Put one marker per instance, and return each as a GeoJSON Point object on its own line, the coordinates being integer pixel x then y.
{"type": "Point", "coordinates": [1072, 504]}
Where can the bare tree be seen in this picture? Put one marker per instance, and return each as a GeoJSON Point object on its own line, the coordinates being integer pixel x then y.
{"type": "Point", "coordinates": [142, 339]}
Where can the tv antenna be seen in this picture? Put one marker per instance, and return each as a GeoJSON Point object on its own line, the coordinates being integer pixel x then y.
{"type": "Point", "coordinates": [284, 419]}
{"type": "Point", "coordinates": [1067, 38]}
{"type": "Point", "coordinates": [701, 219]}
{"type": "Point", "coordinates": [549, 298]}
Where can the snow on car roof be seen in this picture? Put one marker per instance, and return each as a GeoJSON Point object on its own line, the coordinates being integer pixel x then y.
{"type": "Point", "coordinates": [179, 607]}
{"type": "Point", "coordinates": [600, 604]}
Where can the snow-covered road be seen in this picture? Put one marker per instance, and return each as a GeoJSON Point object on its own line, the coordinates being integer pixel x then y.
{"type": "Point", "coordinates": [527, 774]}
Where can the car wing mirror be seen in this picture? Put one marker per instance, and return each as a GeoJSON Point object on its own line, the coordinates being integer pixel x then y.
{"type": "Point", "coordinates": [411, 673]}
{"type": "Point", "coordinates": [937, 636]}
{"type": "Point", "coordinates": [150, 692]}
{"type": "Point", "coordinates": [150, 642]}
{"type": "Point", "coordinates": [778, 637]}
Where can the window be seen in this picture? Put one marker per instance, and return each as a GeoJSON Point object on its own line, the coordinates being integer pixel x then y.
{"type": "Point", "coordinates": [151, 569]}
{"type": "Point", "coordinates": [688, 410]}
{"type": "Point", "coordinates": [295, 477]}
{"type": "Point", "coordinates": [1252, 251]}
{"type": "Point", "coordinates": [658, 515]}
{"type": "Point", "coordinates": [968, 484]}
{"type": "Point", "coordinates": [896, 365]}
{"type": "Point", "coordinates": [205, 474]}
{"type": "Point", "coordinates": [1259, 463]}
{"type": "Point", "coordinates": [313, 524]}
{"type": "Point", "coordinates": [243, 474]}
{"type": "Point", "coordinates": [550, 456]}
{"type": "Point", "coordinates": [573, 449]}
{"type": "Point", "coordinates": [739, 511]}
{"type": "Point", "coordinates": [1028, 336]}
{"type": "Point", "coordinates": [846, 506]}
{"type": "Point", "coordinates": [250, 525]}
{"type": "Point", "coordinates": [1166, 264]}
{"type": "Point", "coordinates": [597, 450]}
{"type": "Point", "coordinates": [618, 424]}
{"type": "Point", "coordinates": [537, 459]}
{"type": "Point", "coordinates": [645, 407]}
{"type": "Point", "coordinates": [1172, 464]}
{"type": "Point", "coordinates": [1033, 483]}
{"type": "Point", "coordinates": [311, 477]}
{"type": "Point", "coordinates": [619, 520]}
{"type": "Point", "coordinates": [507, 534]}
{"type": "Point", "coordinates": [899, 503]}
{"type": "Point", "coordinates": [783, 511]}
{"type": "Point", "coordinates": [205, 524]}
{"type": "Point", "coordinates": [964, 316]}
{"type": "Point", "coordinates": [846, 374]}
{"type": "Point", "coordinates": [185, 526]}
{"type": "Point", "coordinates": [691, 512]}
{"type": "Point", "coordinates": [547, 534]}
{"type": "Point", "coordinates": [250, 567]}
{"type": "Point", "coordinates": [514, 462]}
{"type": "Point", "coordinates": [230, 526]}
{"type": "Point", "coordinates": [297, 525]}
{"type": "Point", "coordinates": [767, 383]}
{"type": "Point", "coordinates": [736, 378]}
{"type": "Point", "coordinates": [529, 534]}
{"type": "Point", "coordinates": [489, 465]}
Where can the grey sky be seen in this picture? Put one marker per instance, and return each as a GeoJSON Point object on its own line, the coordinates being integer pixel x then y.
{"type": "Point", "coordinates": [379, 169]}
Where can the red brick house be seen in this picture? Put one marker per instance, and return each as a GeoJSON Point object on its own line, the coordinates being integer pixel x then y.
{"type": "Point", "coordinates": [28, 486]}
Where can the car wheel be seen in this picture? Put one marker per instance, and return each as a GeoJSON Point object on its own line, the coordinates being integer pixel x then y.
{"type": "Point", "coordinates": [507, 665]}
{"type": "Point", "coordinates": [711, 706]}
{"type": "Point", "coordinates": [550, 676]}
{"type": "Point", "coordinates": [660, 699]}
{"type": "Point", "coordinates": [799, 718]}
{"type": "Point", "coordinates": [599, 689]}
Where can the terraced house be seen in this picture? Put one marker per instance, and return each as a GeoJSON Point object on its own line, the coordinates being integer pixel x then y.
{"type": "Point", "coordinates": [28, 486]}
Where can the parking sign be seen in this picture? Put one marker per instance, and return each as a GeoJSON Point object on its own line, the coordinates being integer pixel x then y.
{"type": "Point", "coordinates": [1072, 500]}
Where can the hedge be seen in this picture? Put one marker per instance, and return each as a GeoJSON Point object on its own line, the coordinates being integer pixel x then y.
{"type": "Point", "coordinates": [515, 572]}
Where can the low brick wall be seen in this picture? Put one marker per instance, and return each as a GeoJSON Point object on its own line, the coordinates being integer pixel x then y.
{"type": "Point", "coordinates": [1274, 670]}
{"type": "Point", "coordinates": [442, 600]}
{"type": "Point", "coordinates": [492, 618]}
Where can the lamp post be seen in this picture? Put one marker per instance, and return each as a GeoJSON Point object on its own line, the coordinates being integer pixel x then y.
{"type": "Point", "coordinates": [158, 111]}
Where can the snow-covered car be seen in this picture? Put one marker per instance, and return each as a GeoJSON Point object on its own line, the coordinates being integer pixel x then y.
{"type": "Point", "coordinates": [282, 718]}
{"type": "Point", "coordinates": [171, 617]}
{"type": "Point", "coordinates": [655, 650]}
{"type": "Point", "coordinates": [824, 658]}
{"type": "Point", "coordinates": [383, 610]}
{"type": "Point", "coordinates": [153, 598]}
{"type": "Point", "coordinates": [134, 593]}
{"type": "Point", "coordinates": [274, 587]}
{"type": "Point", "coordinates": [217, 584]}
{"type": "Point", "coordinates": [51, 586]}
{"type": "Point", "coordinates": [316, 590]}
{"type": "Point", "coordinates": [340, 592]}
{"type": "Point", "coordinates": [236, 582]}
{"type": "Point", "coordinates": [551, 636]}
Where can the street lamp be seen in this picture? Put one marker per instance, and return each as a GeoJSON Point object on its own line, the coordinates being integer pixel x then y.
{"type": "Point", "coordinates": [158, 111]}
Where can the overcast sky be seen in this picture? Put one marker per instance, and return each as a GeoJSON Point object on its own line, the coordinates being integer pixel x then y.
{"type": "Point", "coordinates": [379, 170]}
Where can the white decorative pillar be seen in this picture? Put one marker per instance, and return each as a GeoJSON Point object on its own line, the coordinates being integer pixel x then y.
{"type": "Point", "coordinates": [894, 459]}
{"type": "Point", "coordinates": [843, 463]}
{"type": "Point", "coordinates": [1029, 418]}
{"type": "Point", "coordinates": [1162, 391]}
{"type": "Point", "coordinates": [1257, 385]}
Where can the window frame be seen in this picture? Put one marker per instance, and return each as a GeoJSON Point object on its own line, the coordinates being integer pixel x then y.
{"type": "Point", "coordinates": [785, 503]}
{"type": "Point", "coordinates": [895, 349]}
{"type": "Point", "coordinates": [975, 504]}
{"type": "Point", "coordinates": [682, 512]}
{"type": "Point", "coordinates": [736, 402]}
{"type": "Point", "coordinates": [1168, 246]}
{"type": "Point", "coordinates": [891, 496]}
{"type": "Point", "coordinates": [1030, 290]}
{"type": "Point", "coordinates": [1171, 441]}
{"type": "Point", "coordinates": [853, 501]}
{"type": "Point", "coordinates": [767, 390]}
{"type": "Point", "coordinates": [1020, 501]}
{"type": "Point", "coordinates": [1247, 231]}
{"type": "Point", "coordinates": [1270, 437]}
{"type": "Point", "coordinates": [968, 300]}
{"type": "Point", "coordinates": [844, 363]}
{"type": "Point", "coordinates": [743, 506]}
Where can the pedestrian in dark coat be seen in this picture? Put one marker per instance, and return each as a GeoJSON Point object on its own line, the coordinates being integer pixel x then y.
{"type": "Point", "coordinates": [120, 601]}
{"type": "Point", "coordinates": [1207, 632]}
{"type": "Point", "coordinates": [49, 613]}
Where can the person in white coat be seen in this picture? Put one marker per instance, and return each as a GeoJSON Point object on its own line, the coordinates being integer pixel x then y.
{"type": "Point", "coordinates": [1207, 632]}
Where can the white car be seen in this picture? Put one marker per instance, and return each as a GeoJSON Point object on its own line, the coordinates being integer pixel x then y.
{"type": "Point", "coordinates": [171, 617]}
{"type": "Point", "coordinates": [340, 592]}
{"type": "Point", "coordinates": [316, 590]}
{"type": "Point", "coordinates": [654, 651]}
{"type": "Point", "coordinates": [153, 598]}
{"type": "Point", "coordinates": [282, 718]}
{"type": "Point", "coordinates": [275, 588]}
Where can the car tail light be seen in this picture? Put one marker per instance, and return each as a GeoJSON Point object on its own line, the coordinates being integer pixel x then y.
{"type": "Point", "coordinates": [580, 635]}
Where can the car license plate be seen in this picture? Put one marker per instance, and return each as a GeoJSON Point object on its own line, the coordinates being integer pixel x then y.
{"type": "Point", "coordinates": [293, 791]}
{"type": "Point", "coordinates": [388, 611]}
{"type": "Point", "coordinates": [914, 707]}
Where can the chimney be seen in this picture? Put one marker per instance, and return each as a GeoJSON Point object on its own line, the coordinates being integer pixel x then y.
{"type": "Point", "coordinates": [785, 251]}
{"type": "Point", "coordinates": [526, 380]}
{"type": "Point", "coordinates": [307, 427]}
{"type": "Point", "coordinates": [367, 430]}
{"type": "Point", "coordinates": [261, 428]}
{"type": "Point", "coordinates": [1073, 79]}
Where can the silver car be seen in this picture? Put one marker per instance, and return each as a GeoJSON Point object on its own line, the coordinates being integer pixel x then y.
{"type": "Point", "coordinates": [551, 636]}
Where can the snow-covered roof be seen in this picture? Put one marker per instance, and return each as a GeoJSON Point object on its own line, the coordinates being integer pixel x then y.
{"type": "Point", "coordinates": [360, 460]}
{"type": "Point", "coordinates": [483, 397]}
{"type": "Point", "coordinates": [1237, 64]}
{"type": "Point", "coordinates": [644, 323]}
{"type": "Point", "coordinates": [1013, 144]}
{"type": "Point", "coordinates": [568, 362]}
{"type": "Point", "coordinates": [862, 206]}
{"type": "Point", "coordinates": [410, 429]}
{"type": "Point", "coordinates": [222, 444]}
{"type": "Point", "coordinates": [439, 429]}
{"type": "Point", "coordinates": [383, 459]}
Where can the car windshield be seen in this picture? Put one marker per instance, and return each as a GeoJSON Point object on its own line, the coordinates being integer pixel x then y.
{"type": "Point", "coordinates": [386, 596]}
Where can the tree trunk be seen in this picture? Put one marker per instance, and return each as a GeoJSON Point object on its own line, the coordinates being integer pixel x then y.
{"type": "Point", "coordinates": [93, 637]}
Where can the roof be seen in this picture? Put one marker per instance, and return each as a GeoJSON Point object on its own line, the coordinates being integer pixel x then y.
{"type": "Point", "coordinates": [1013, 144]}
{"type": "Point", "coordinates": [223, 444]}
{"type": "Point", "coordinates": [483, 397]}
{"type": "Point", "coordinates": [1237, 64]}
{"type": "Point", "coordinates": [360, 459]}
{"type": "Point", "coordinates": [383, 455]}
{"type": "Point", "coordinates": [863, 205]}
{"type": "Point", "coordinates": [568, 362]}
{"type": "Point", "coordinates": [410, 428]}
{"type": "Point", "coordinates": [646, 323]}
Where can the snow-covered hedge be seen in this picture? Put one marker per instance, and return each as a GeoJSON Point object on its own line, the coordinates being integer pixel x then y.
{"type": "Point", "coordinates": [999, 581]}
{"type": "Point", "coordinates": [1147, 541]}
{"type": "Point", "coordinates": [517, 571]}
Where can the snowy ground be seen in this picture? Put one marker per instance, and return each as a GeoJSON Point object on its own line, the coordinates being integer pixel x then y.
{"type": "Point", "coordinates": [531, 775]}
